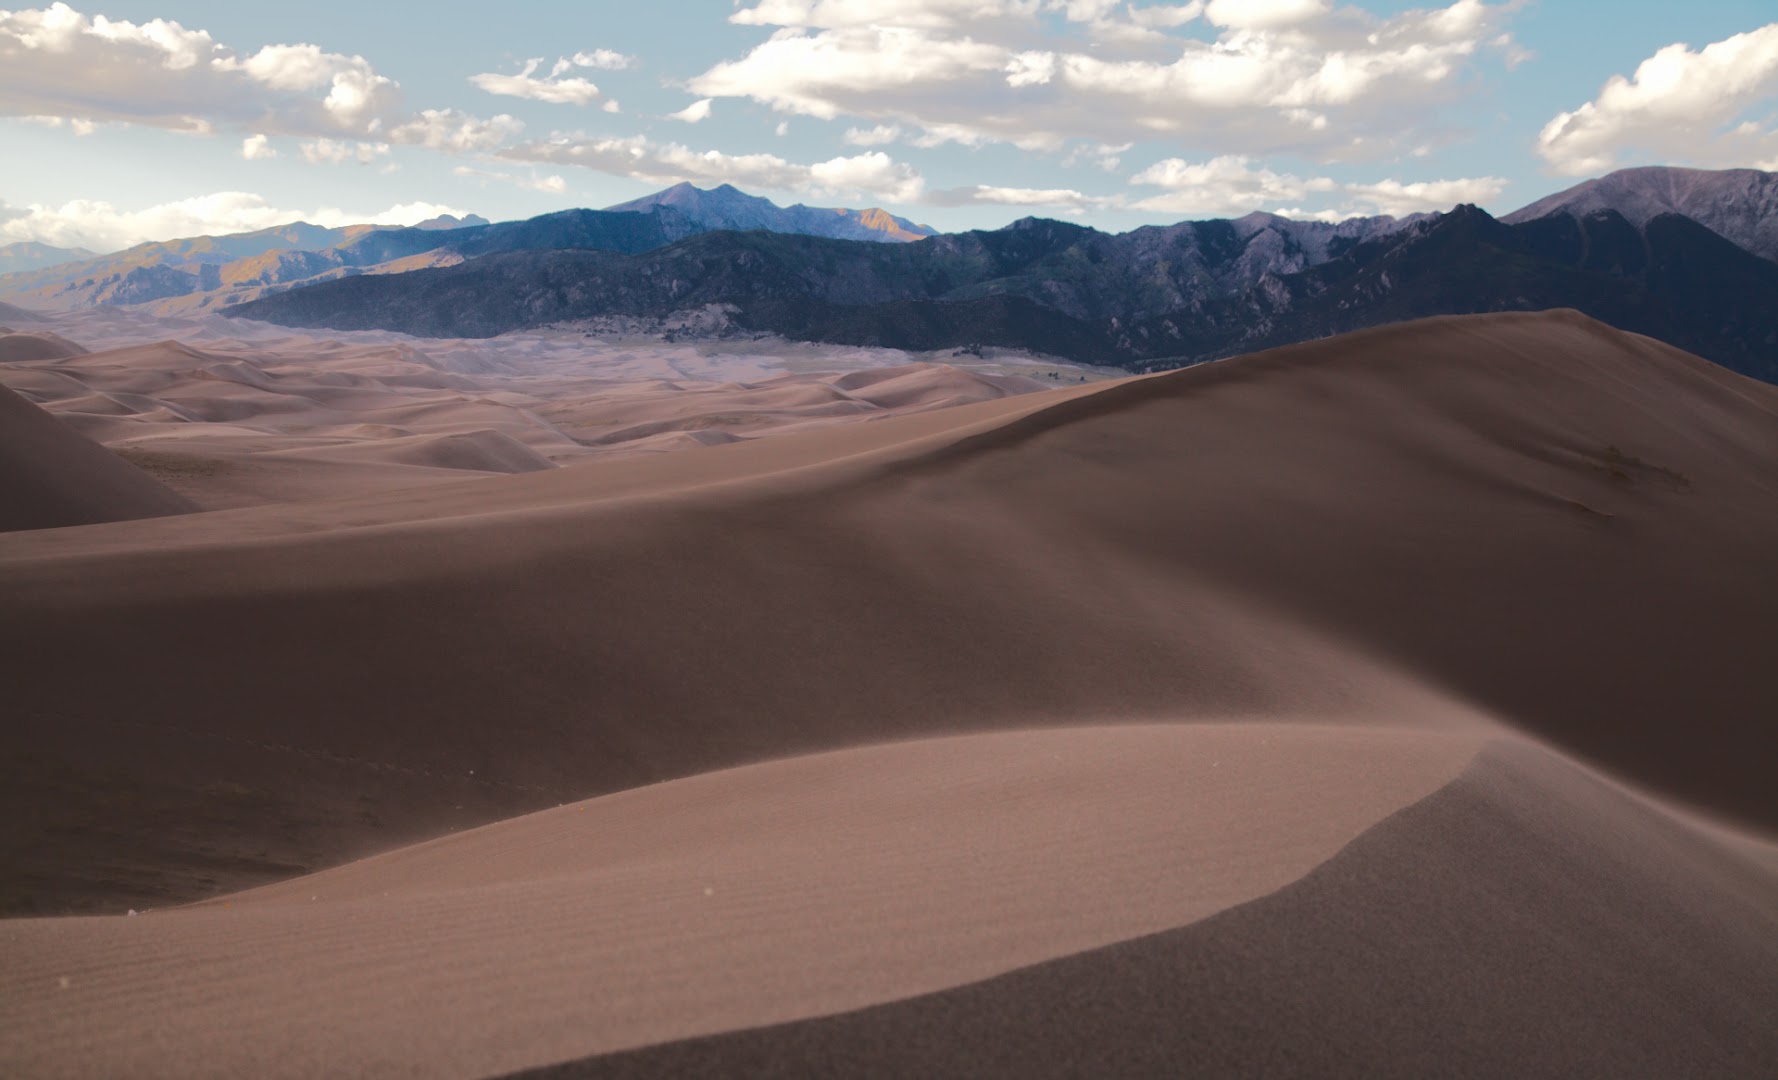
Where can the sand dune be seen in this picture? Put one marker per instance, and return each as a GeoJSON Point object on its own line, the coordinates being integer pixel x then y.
{"type": "Point", "coordinates": [52, 477]}
{"type": "Point", "coordinates": [1244, 715]}
{"type": "Point", "coordinates": [814, 884]}
{"type": "Point", "coordinates": [202, 414]}
{"type": "Point", "coordinates": [473, 451]}
{"type": "Point", "coordinates": [16, 348]}
{"type": "Point", "coordinates": [17, 316]}
{"type": "Point", "coordinates": [1524, 920]}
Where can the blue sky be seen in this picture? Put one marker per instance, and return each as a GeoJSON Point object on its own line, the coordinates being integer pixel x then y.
{"type": "Point", "coordinates": [124, 120]}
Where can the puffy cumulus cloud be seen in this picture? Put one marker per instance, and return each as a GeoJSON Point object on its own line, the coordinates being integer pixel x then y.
{"type": "Point", "coordinates": [1397, 199]}
{"type": "Point", "coordinates": [1253, 76]}
{"type": "Point", "coordinates": [874, 174]}
{"type": "Point", "coordinates": [881, 135]}
{"type": "Point", "coordinates": [1104, 155]}
{"type": "Point", "coordinates": [338, 152]}
{"type": "Point", "coordinates": [1065, 199]}
{"type": "Point", "coordinates": [598, 59]}
{"type": "Point", "coordinates": [1233, 184]}
{"type": "Point", "coordinates": [257, 148]}
{"type": "Point", "coordinates": [825, 74]}
{"type": "Point", "coordinates": [1227, 185]}
{"type": "Point", "coordinates": [696, 112]}
{"type": "Point", "coordinates": [921, 14]}
{"type": "Point", "coordinates": [101, 226]}
{"type": "Point", "coordinates": [1680, 106]}
{"type": "Point", "coordinates": [1263, 14]}
{"type": "Point", "coordinates": [558, 87]}
{"type": "Point", "coordinates": [455, 132]}
{"type": "Point", "coordinates": [58, 62]}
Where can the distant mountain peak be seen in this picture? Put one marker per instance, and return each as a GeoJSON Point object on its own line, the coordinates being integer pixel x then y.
{"type": "Point", "coordinates": [31, 255]}
{"type": "Point", "coordinates": [726, 207]}
{"type": "Point", "coordinates": [451, 221]}
{"type": "Point", "coordinates": [1740, 205]}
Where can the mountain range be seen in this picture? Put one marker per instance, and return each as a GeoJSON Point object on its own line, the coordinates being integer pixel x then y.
{"type": "Point", "coordinates": [31, 255]}
{"type": "Point", "coordinates": [1739, 204]}
{"type": "Point", "coordinates": [727, 207]}
{"type": "Point", "coordinates": [208, 273]}
{"type": "Point", "coordinates": [1683, 255]}
{"type": "Point", "coordinates": [1152, 298]}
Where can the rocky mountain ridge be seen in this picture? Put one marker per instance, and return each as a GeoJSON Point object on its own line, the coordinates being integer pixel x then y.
{"type": "Point", "coordinates": [728, 207]}
{"type": "Point", "coordinates": [1741, 205]}
{"type": "Point", "coordinates": [1142, 300]}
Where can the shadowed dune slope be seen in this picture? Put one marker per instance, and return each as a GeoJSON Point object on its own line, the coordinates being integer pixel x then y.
{"type": "Point", "coordinates": [17, 316]}
{"type": "Point", "coordinates": [20, 348]}
{"type": "Point", "coordinates": [51, 476]}
{"type": "Point", "coordinates": [1525, 920]}
{"type": "Point", "coordinates": [774, 892]}
{"type": "Point", "coordinates": [1565, 526]}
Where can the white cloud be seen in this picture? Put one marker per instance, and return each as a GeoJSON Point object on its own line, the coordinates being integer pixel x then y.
{"type": "Point", "coordinates": [599, 59]}
{"type": "Point", "coordinates": [257, 148]}
{"type": "Point", "coordinates": [1223, 186]}
{"type": "Point", "coordinates": [58, 62]}
{"type": "Point", "coordinates": [874, 174]}
{"type": "Point", "coordinates": [1399, 200]}
{"type": "Point", "coordinates": [1263, 14]}
{"type": "Point", "coordinates": [881, 135]}
{"type": "Point", "coordinates": [1165, 16]}
{"type": "Point", "coordinates": [696, 112]}
{"type": "Point", "coordinates": [1680, 106]}
{"type": "Point", "coordinates": [338, 152]}
{"type": "Point", "coordinates": [986, 194]}
{"type": "Point", "coordinates": [555, 89]}
{"type": "Point", "coordinates": [923, 14]}
{"type": "Point", "coordinates": [549, 185]}
{"type": "Point", "coordinates": [1296, 75]}
{"type": "Point", "coordinates": [1104, 155]}
{"type": "Point", "coordinates": [782, 129]}
{"type": "Point", "coordinates": [1232, 185]}
{"type": "Point", "coordinates": [78, 126]}
{"type": "Point", "coordinates": [100, 226]}
{"type": "Point", "coordinates": [455, 132]}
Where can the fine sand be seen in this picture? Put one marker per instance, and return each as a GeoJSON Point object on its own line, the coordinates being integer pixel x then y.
{"type": "Point", "coordinates": [1398, 704]}
{"type": "Point", "coordinates": [52, 477]}
{"type": "Point", "coordinates": [233, 414]}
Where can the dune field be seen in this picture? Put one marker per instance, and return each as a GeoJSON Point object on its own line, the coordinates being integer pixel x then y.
{"type": "Point", "coordinates": [236, 414]}
{"type": "Point", "coordinates": [1396, 704]}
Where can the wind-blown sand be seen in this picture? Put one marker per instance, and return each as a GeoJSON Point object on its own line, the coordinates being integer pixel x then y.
{"type": "Point", "coordinates": [1247, 718]}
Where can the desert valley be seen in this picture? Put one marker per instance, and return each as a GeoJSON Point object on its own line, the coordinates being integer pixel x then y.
{"type": "Point", "coordinates": [704, 637]}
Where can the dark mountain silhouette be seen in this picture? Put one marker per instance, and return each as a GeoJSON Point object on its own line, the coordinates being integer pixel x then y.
{"type": "Point", "coordinates": [1148, 299]}
{"type": "Point", "coordinates": [298, 254]}
{"type": "Point", "coordinates": [1739, 204]}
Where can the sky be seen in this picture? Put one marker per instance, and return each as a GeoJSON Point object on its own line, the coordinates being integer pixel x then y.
{"type": "Point", "coordinates": [130, 120]}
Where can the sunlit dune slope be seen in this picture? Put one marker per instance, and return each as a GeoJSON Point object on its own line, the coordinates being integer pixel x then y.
{"type": "Point", "coordinates": [1532, 518]}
